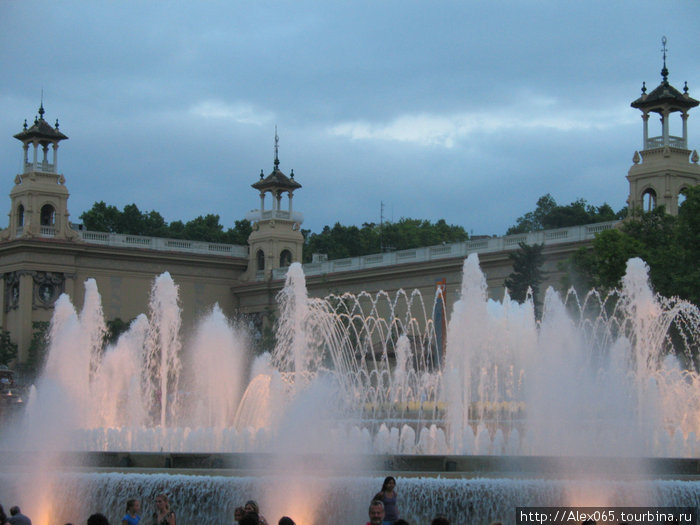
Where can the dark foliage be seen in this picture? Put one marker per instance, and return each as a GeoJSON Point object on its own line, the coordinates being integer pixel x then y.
{"type": "Point", "coordinates": [350, 241]}
{"type": "Point", "coordinates": [549, 215]}
{"type": "Point", "coordinates": [107, 218]}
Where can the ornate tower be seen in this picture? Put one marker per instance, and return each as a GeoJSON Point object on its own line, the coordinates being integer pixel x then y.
{"type": "Point", "coordinates": [665, 166]}
{"type": "Point", "coordinates": [276, 240]}
{"type": "Point", "coordinates": [39, 198]}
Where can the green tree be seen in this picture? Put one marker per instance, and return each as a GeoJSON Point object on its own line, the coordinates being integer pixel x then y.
{"type": "Point", "coordinates": [115, 328]}
{"type": "Point", "coordinates": [669, 245]}
{"type": "Point", "coordinates": [687, 280]}
{"type": "Point", "coordinates": [603, 266]}
{"type": "Point", "coordinates": [133, 221]}
{"type": "Point", "coordinates": [239, 233]}
{"type": "Point", "coordinates": [38, 347]}
{"type": "Point", "coordinates": [130, 220]}
{"type": "Point", "coordinates": [527, 273]}
{"type": "Point", "coordinates": [102, 218]}
{"type": "Point", "coordinates": [8, 349]}
{"type": "Point", "coordinates": [204, 228]}
{"type": "Point", "coordinates": [533, 220]}
{"type": "Point", "coordinates": [549, 215]}
{"type": "Point", "coordinates": [350, 241]}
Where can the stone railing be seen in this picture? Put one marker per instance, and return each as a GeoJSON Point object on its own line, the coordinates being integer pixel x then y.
{"type": "Point", "coordinates": [39, 165]}
{"type": "Point", "coordinates": [162, 244]}
{"type": "Point", "coordinates": [47, 231]}
{"type": "Point", "coordinates": [460, 249]}
{"type": "Point", "coordinates": [673, 141]}
{"type": "Point", "coordinates": [266, 215]}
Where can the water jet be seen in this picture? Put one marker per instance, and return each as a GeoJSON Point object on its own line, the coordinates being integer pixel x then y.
{"type": "Point", "coordinates": [355, 378]}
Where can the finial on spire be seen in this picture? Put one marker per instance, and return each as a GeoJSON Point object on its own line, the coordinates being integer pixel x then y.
{"type": "Point", "coordinates": [664, 71]}
{"type": "Point", "coordinates": [277, 146]}
{"type": "Point", "coordinates": [685, 87]}
{"type": "Point", "coordinates": [25, 124]}
{"type": "Point", "coordinates": [291, 175]}
{"type": "Point", "coordinates": [41, 105]}
{"type": "Point", "coordinates": [262, 175]}
{"type": "Point", "coordinates": [644, 88]}
{"type": "Point", "coordinates": [56, 124]}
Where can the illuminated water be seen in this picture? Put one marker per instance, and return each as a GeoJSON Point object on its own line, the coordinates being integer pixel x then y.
{"type": "Point", "coordinates": [611, 376]}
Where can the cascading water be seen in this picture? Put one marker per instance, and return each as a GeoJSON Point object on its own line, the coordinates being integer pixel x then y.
{"type": "Point", "coordinates": [617, 371]}
{"type": "Point", "coordinates": [614, 376]}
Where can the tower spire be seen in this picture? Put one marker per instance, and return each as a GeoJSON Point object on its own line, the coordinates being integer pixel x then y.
{"type": "Point", "coordinates": [41, 106]}
{"type": "Point", "coordinates": [277, 147]}
{"type": "Point", "coordinates": [664, 71]}
{"type": "Point", "coordinates": [665, 165]}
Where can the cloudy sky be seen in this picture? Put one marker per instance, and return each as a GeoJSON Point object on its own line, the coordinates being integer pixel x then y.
{"type": "Point", "coordinates": [462, 110]}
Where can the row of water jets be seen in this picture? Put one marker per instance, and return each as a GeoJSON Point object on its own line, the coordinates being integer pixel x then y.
{"type": "Point", "coordinates": [615, 375]}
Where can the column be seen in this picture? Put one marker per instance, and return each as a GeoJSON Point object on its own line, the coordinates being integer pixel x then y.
{"type": "Point", "coordinates": [55, 157]}
{"type": "Point", "coordinates": [645, 118]}
{"type": "Point", "coordinates": [664, 124]}
{"type": "Point", "coordinates": [24, 316]}
{"type": "Point", "coordinates": [684, 118]}
{"type": "Point", "coordinates": [26, 158]}
{"type": "Point", "coordinates": [2, 303]}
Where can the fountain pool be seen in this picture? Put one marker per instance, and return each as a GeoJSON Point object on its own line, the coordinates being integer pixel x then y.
{"type": "Point", "coordinates": [355, 375]}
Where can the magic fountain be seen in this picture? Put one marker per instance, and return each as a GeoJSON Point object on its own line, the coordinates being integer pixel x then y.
{"type": "Point", "coordinates": [353, 376]}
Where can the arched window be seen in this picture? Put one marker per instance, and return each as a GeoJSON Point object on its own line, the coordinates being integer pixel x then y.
{"type": "Point", "coordinates": [260, 257]}
{"type": "Point", "coordinates": [20, 215]}
{"type": "Point", "coordinates": [285, 258]}
{"type": "Point", "coordinates": [48, 215]}
{"type": "Point", "coordinates": [648, 200]}
{"type": "Point", "coordinates": [681, 197]}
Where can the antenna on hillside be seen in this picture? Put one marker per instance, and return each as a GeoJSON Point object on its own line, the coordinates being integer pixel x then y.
{"type": "Point", "coordinates": [381, 226]}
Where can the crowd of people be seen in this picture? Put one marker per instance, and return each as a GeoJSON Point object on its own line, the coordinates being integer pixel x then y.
{"type": "Point", "coordinates": [383, 510]}
{"type": "Point", "coordinates": [249, 514]}
{"type": "Point", "coordinates": [15, 518]}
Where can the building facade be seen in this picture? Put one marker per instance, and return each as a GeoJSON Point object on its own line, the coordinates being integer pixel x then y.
{"type": "Point", "coordinates": [43, 256]}
{"type": "Point", "coordinates": [665, 166]}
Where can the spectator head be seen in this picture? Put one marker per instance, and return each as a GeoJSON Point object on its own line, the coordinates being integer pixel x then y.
{"type": "Point", "coordinates": [97, 519]}
{"type": "Point", "coordinates": [162, 502]}
{"type": "Point", "coordinates": [251, 506]}
{"type": "Point", "coordinates": [286, 520]}
{"type": "Point", "coordinates": [389, 483]}
{"type": "Point", "coordinates": [376, 512]}
{"type": "Point", "coordinates": [14, 510]}
{"type": "Point", "coordinates": [440, 520]}
{"type": "Point", "coordinates": [250, 518]}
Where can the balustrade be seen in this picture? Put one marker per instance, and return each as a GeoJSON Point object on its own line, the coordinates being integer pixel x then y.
{"type": "Point", "coordinates": [47, 231]}
{"type": "Point", "coordinates": [461, 249]}
{"type": "Point", "coordinates": [673, 141]}
{"type": "Point", "coordinates": [162, 244]}
{"type": "Point", "coordinates": [46, 166]}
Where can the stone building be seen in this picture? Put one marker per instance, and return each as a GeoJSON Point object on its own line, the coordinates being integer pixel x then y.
{"type": "Point", "coordinates": [43, 255]}
{"type": "Point", "coordinates": [665, 166]}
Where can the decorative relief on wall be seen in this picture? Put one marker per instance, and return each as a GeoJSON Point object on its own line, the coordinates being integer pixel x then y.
{"type": "Point", "coordinates": [47, 287]}
{"type": "Point", "coordinates": [11, 290]}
